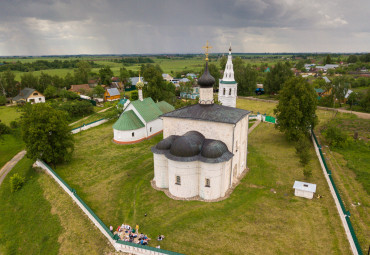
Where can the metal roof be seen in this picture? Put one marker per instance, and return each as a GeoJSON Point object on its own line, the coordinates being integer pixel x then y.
{"type": "Point", "coordinates": [165, 107]}
{"type": "Point", "coordinates": [305, 186]}
{"type": "Point", "coordinates": [128, 121]}
{"type": "Point", "coordinates": [147, 109]}
{"type": "Point", "coordinates": [213, 112]}
{"type": "Point", "coordinates": [24, 94]}
{"type": "Point", "coordinates": [113, 92]}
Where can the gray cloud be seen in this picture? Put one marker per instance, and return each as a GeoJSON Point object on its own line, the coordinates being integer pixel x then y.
{"type": "Point", "coordinates": [168, 26]}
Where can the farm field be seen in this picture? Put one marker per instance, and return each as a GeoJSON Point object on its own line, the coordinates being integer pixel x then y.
{"type": "Point", "coordinates": [114, 181]}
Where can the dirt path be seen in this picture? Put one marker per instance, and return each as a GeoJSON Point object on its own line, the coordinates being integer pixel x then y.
{"type": "Point", "coordinates": [90, 115]}
{"type": "Point", "coordinates": [254, 125]}
{"type": "Point", "coordinates": [361, 115]}
{"type": "Point", "coordinates": [10, 164]}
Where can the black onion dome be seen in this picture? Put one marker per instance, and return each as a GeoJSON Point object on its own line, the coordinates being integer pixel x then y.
{"type": "Point", "coordinates": [213, 149]}
{"type": "Point", "coordinates": [188, 145]}
{"type": "Point", "coordinates": [165, 144]}
{"type": "Point", "coordinates": [206, 80]}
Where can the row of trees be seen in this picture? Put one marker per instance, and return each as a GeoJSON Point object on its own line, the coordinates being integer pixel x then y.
{"type": "Point", "coordinates": [42, 65]}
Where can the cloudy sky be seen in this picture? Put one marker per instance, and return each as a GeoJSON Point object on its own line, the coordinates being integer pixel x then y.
{"type": "Point", "coordinates": [48, 27]}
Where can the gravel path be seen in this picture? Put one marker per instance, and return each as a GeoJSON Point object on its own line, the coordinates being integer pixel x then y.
{"type": "Point", "coordinates": [10, 164]}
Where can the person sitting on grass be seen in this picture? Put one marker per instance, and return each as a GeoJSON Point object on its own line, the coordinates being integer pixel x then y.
{"type": "Point", "coordinates": [160, 237]}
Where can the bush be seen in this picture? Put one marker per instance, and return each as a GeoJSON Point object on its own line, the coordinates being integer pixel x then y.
{"type": "Point", "coordinates": [2, 100]}
{"type": "Point", "coordinates": [4, 129]}
{"type": "Point", "coordinates": [14, 124]}
{"type": "Point", "coordinates": [307, 172]}
{"type": "Point", "coordinates": [134, 95]}
{"type": "Point", "coordinates": [335, 137]}
{"type": "Point", "coordinates": [16, 182]}
{"type": "Point", "coordinates": [303, 149]}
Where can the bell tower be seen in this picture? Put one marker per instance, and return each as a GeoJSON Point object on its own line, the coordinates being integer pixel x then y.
{"type": "Point", "coordinates": [228, 87]}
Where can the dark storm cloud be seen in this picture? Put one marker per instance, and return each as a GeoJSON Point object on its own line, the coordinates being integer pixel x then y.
{"type": "Point", "coordinates": [116, 26]}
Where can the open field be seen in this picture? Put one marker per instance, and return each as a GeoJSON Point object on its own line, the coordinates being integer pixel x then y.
{"type": "Point", "coordinates": [256, 106]}
{"type": "Point", "coordinates": [114, 180]}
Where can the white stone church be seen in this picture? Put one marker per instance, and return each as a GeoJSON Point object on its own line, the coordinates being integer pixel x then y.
{"type": "Point", "coordinates": [204, 150]}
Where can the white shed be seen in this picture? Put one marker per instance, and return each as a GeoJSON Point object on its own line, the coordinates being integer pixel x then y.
{"type": "Point", "coordinates": [304, 189]}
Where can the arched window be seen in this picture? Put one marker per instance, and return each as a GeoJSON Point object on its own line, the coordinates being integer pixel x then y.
{"type": "Point", "coordinates": [150, 129]}
{"type": "Point", "coordinates": [133, 134]}
{"type": "Point", "coordinates": [224, 91]}
{"type": "Point", "coordinates": [230, 92]}
{"type": "Point", "coordinates": [178, 180]}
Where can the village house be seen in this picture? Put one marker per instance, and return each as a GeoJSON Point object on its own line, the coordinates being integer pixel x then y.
{"type": "Point", "coordinates": [112, 94]}
{"type": "Point", "coordinates": [80, 89]}
{"type": "Point", "coordinates": [30, 96]}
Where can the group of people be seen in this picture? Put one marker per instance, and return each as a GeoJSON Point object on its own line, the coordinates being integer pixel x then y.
{"type": "Point", "coordinates": [128, 234]}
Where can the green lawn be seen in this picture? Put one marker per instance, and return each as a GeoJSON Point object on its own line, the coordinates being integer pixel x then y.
{"type": "Point", "coordinates": [114, 180]}
{"type": "Point", "coordinates": [42, 219]}
{"type": "Point", "coordinates": [10, 145]}
{"type": "Point", "coordinates": [256, 106]}
{"type": "Point", "coordinates": [8, 114]}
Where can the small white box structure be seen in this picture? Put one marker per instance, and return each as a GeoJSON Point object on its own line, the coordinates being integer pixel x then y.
{"type": "Point", "coordinates": [304, 189]}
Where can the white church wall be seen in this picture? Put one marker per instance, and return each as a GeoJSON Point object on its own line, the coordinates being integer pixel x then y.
{"type": "Point", "coordinates": [206, 94]}
{"type": "Point", "coordinates": [240, 146]}
{"type": "Point", "coordinates": [211, 130]}
{"type": "Point", "coordinates": [129, 136]}
{"type": "Point", "coordinates": [227, 99]}
{"type": "Point", "coordinates": [188, 172]}
{"type": "Point", "coordinates": [213, 172]}
{"type": "Point", "coordinates": [160, 170]}
{"type": "Point", "coordinates": [154, 126]}
{"type": "Point", "coordinates": [226, 177]}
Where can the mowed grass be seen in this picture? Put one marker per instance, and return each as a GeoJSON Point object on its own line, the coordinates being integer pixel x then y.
{"type": "Point", "coordinates": [42, 219]}
{"type": "Point", "coordinates": [9, 113]}
{"type": "Point", "coordinates": [114, 180]}
{"type": "Point", "coordinates": [27, 225]}
{"type": "Point", "coordinates": [10, 144]}
{"type": "Point", "coordinates": [256, 106]}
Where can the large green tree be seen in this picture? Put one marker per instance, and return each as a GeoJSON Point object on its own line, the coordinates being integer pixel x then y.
{"type": "Point", "coordinates": [296, 110]}
{"type": "Point", "coordinates": [105, 75]}
{"type": "Point", "coordinates": [155, 86]}
{"type": "Point", "coordinates": [29, 80]}
{"type": "Point", "coordinates": [46, 134]}
{"type": "Point", "coordinates": [8, 84]}
{"type": "Point", "coordinates": [82, 72]}
{"type": "Point", "coordinates": [277, 77]}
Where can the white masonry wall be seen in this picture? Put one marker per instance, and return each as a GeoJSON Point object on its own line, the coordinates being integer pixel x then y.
{"type": "Point", "coordinates": [126, 136]}
{"type": "Point", "coordinates": [211, 130]}
{"type": "Point", "coordinates": [155, 125]}
{"type": "Point", "coordinates": [206, 95]}
{"type": "Point", "coordinates": [160, 170]}
{"type": "Point", "coordinates": [213, 172]}
{"type": "Point", "coordinates": [227, 99]}
{"type": "Point", "coordinates": [189, 173]}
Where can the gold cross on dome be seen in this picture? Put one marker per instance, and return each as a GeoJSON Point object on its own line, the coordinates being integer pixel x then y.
{"type": "Point", "coordinates": [207, 47]}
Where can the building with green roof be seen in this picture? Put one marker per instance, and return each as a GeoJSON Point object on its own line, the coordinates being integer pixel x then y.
{"type": "Point", "coordinates": [140, 120]}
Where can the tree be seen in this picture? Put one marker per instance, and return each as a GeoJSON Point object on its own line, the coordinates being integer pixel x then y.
{"type": "Point", "coordinates": [8, 84]}
{"type": "Point", "coordinates": [98, 91]}
{"type": "Point", "coordinates": [353, 98]}
{"type": "Point", "coordinates": [29, 80]}
{"type": "Point", "coordinates": [134, 95]}
{"type": "Point", "coordinates": [223, 62]}
{"type": "Point", "coordinates": [46, 134]}
{"type": "Point", "coordinates": [155, 86]}
{"type": "Point", "coordinates": [319, 83]}
{"type": "Point", "coordinates": [44, 81]}
{"type": "Point", "coordinates": [352, 59]}
{"type": "Point", "coordinates": [327, 60]}
{"type": "Point", "coordinates": [246, 77]}
{"type": "Point", "coordinates": [277, 77]}
{"type": "Point", "coordinates": [2, 100]}
{"type": "Point", "coordinates": [82, 72]}
{"type": "Point", "coordinates": [105, 75]}
{"type": "Point", "coordinates": [69, 80]}
{"type": "Point", "coordinates": [50, 92]}
{"type": "Point", "coordinates": [124, 77]}
{"type": "Point", "coordinates": [296, 110]}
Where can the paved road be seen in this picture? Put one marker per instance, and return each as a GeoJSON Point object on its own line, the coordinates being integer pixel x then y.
{"type": "Point", "coordinates": [361, 115]}
{"type": "Point", "coordinates": [10, 164]}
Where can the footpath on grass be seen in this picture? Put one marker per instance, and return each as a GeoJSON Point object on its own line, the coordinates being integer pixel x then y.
{"type": "Point", "coordinates": [362, 115]}
{"type": "Point", "coordinates": [90, 115]}
{"type": "Point", "coordinates": [10, 164]}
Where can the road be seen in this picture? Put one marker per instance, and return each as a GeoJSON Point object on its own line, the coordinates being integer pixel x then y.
{"type": "Point", "coordinates": [10, 164]}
